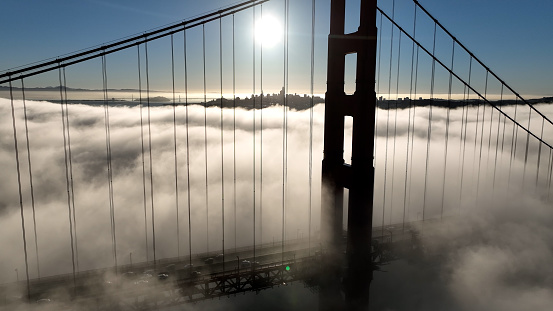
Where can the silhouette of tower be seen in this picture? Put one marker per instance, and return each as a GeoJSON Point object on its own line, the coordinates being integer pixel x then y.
{"type": "Point", "coordinates": [358, 176]}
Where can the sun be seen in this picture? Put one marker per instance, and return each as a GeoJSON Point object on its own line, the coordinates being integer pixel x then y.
{"type": "Point", "coordinates": [268, 31]}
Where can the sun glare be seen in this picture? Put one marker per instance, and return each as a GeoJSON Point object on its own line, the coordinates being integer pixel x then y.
{"type": "Point", "coordinates": [268, 31]}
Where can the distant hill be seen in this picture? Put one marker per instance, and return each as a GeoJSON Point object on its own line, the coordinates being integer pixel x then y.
{"type": "Point", "coordinates": [293, 101]}
{"type": "Point", "coordinates": [57, 88]}
{"type": "Point", "coordinates": [453, 103]}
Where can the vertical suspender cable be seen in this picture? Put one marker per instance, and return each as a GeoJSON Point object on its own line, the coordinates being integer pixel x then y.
{"type": "Point", "coordinates": [464, 136]}
{"type": "Point", "coordinates": [526, 150]}
{"type": "Point", "coordinates": [447, 128]}
{"type": "Point", "coordinates": [539, 153]}
{"type": "Point", "coordinates": [109, 162]}
{"type": "Point", "coordinates": [187, 152]}
{"type": "Point", "coordinates": [411, 100]}
{"type": "Point", "coordinates": [503, 137]}
{"type": "Point", "coordinates": [150, 150]}
{"type": "Point", "coordinates": [497, 142]}
{"type": "Point", "coordinates": [261, 138]}
{"type": "Point", "coordinates": [413, 129]}
{"type": "Point", "coordinates": [71, 171]}
{"type": "Point", "coordinates": [475, 170]}
{"type": "Point", "coordinates": [142, 152]}
{"type": "Point", "coordinates": [481, 140]}
{"type": "Point", "coordinates": [432, 79]}
{"type": "Point", "coordinates": [21, 196]}
{"type": "Point", "coordinates": [175, 145]}
{"type": "Point", "coordinates": [388, 121]}
{"type": "Point", "coordinates": [490, 139]}
{"type": "Point", "coordinates": [311, 122]}
{"type": "Point", "coordinates": [66, 181]}
{"type": "Point", "coordinates": [490, 144]}
{"type": "Point", "coordinates": [30, 176]}
{"type": "Point", "coordinates": [514, 139]}
{"type": "Point", "coordinates": [286, 106]}
{"type": "Point", "coordinates": [413, 92]}
{"type": "Point", "coordinates": [284, 126]}
{"type": "Point", "coordinates": [550, 170]}
{"type": "Point", "coordinates": [395, 130]}
{"type": "Point", "coordinates": [476, 138]}
{"type": "Point", "coordinates": [205, 143]}
{"type": "Point", "coordinates": [222, 142]}
{"type": "Point", "coordinates": [379, 64]}
{"type": "Point", "coordinates": [379, 55]}
{"type": "Point", "coordinates": [462, 139]}
{"type": "Point", "coordinates": [253, 133]}
{"type": "Point", "coordinates": [234, 126]}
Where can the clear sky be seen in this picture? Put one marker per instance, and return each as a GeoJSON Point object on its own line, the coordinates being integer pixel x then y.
{"type": "Point", "coordinates": [512, 37]}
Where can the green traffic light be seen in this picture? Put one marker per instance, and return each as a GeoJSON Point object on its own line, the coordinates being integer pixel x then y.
{"type": "Point", "coordinates": [287, 268]}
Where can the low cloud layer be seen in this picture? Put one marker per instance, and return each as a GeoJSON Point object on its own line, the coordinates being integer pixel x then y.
{"type": "Point", "coordinates": [494, 257]}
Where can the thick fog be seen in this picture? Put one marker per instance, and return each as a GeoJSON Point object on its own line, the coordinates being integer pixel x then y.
{"type": "Point", "coordinates": [91, 194]}
{"type": "Point", "coordinates": [493, 255]}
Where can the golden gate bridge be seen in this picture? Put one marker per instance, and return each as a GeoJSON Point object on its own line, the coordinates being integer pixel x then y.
{"type": "Point", "coordinates": [214, 185]}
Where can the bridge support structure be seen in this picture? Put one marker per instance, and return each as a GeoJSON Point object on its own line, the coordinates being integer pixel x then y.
{"type": "Point", "coordinates": [358, 176]}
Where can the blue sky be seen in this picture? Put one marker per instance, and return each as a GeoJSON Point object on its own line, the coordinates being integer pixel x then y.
{"type": "Point", "coordinates": [511, 37]}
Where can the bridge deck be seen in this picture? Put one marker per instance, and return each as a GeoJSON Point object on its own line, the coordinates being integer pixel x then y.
{"type": "Point", "coordinates": [140, 283]}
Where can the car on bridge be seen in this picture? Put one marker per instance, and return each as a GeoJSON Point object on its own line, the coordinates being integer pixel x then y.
{"type": "Point", "coordinates": [245, 264]}
{"type": "Point", "coordinates": [163, 275]}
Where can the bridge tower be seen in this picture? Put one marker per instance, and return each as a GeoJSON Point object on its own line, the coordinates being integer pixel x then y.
{"type": "Point", "coordinates": [358, 176]}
